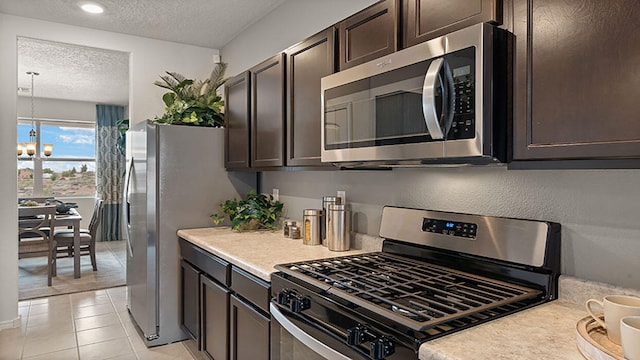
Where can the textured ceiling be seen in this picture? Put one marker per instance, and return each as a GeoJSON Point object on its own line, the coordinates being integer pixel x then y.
{"type": "Point", "coordinates": [206, 23]}
{"type": "Point", "coordinates": [73, 72]}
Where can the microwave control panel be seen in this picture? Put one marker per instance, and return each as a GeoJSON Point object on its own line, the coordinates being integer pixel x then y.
{"type": "Point", "coordinates": [451, 228]}
{"type": "Point", "coordinates": [463, 125]}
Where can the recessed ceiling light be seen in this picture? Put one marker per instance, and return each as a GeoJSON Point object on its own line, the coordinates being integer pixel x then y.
{"type": "Point", "coordinates": [92, 8]}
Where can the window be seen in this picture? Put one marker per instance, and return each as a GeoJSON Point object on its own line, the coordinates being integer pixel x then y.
{"type": "Point", "coordinates": [70, 170]}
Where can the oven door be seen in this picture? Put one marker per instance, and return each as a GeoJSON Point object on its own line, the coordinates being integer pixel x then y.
{"type": "Point", "coordinates": [293, 339]}
{"type": "Point", "coordinates": [410, 104]}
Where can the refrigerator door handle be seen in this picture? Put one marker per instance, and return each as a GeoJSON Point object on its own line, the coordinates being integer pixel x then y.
{"type": "Point", "coordinates": [127, 206]}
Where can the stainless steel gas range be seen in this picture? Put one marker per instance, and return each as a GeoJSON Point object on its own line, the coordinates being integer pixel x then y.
{"type": "Point", "coordinates": [438, 273]}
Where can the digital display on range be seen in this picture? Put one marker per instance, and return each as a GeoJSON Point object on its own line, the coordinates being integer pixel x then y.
{"type": "Point", "coordinates": [451, 228]}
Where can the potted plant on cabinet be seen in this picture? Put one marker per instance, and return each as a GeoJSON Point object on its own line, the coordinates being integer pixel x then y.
{"type": "Point", "coordinates": [193, 102]}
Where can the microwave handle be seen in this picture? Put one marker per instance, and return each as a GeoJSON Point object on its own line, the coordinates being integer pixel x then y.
{"type": "Point", "coordinates": [438, 127]}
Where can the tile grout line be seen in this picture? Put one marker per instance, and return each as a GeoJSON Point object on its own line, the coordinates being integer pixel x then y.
{"type": "Point", "coordinates": [73, 323]}
{"type": "Point", "coordinates": [133, 349]}
{"type": "Point", "coordinates": [26, 325]}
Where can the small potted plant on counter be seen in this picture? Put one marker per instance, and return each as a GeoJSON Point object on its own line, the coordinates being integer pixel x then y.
{"type": "Point", "coordinates": [256, 212]}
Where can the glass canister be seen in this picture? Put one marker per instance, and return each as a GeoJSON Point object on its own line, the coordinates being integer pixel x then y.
{"type": "Point", "coordinates": [339, 227]}
{"type": "Point", "coordinates": [294, 232]}
{"type": "Point", "coordinates": [326, 201]}
{"type": "Point", "coordinates": [287, 225]}
{"type": "Point", "coordinates": [311, 224]}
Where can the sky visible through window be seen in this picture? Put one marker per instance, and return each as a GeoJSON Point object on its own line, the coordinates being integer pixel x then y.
{"type": "Point", "coordinates": [72, 142]}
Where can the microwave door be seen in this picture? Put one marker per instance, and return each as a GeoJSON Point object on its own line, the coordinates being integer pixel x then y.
{"type": "Point", "coordinates": [438, 99]}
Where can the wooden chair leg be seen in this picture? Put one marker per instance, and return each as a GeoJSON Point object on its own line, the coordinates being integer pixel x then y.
{"type": "Point", "coordinates": [92, 253]}
{"type": "Point", "coordinates": [51, 264]}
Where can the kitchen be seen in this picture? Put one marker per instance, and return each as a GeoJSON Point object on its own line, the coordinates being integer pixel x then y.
{"type": "Point", "coordinates": [596, 208]}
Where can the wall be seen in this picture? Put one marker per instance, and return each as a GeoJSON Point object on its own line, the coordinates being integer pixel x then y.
{"type": "Point", "coordinates": [598, 209]}
{"type": "Point", "coordinates": [149, 59]}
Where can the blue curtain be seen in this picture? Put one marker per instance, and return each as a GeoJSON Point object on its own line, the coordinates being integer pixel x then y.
{"type": "Point", "coordinates": [110, 170]}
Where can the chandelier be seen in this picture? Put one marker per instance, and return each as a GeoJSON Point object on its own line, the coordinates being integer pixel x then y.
{"type": "Point", "coordinates": [30, 147]}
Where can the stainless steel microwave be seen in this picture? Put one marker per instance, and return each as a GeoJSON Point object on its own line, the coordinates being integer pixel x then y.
{"type": "Point", "coordinates": [439, 102]}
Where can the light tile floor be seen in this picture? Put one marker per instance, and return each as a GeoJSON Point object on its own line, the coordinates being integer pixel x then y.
{"type": "Point", "coordinates": [88, 325]}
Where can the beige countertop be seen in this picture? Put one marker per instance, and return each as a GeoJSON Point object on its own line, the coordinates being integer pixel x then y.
{"type": "Point", "coordinates": [546, 331]}
{"type": "Point", "coordinates": [258, 251]}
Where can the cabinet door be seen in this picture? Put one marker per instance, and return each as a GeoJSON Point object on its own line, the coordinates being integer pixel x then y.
{"type": "Point", "coordinates": [576, 80]}
{"type": "Point", "coordinates": [215, 319]}
{"type": "Point", "coordinates": [190, 280]}
{"type": "Point", "coordinates": [307, 63]}
{"type": "Point", "coordinates": [426, 19]}
{"type": "Point", "coordinates": [268, 113]}
{"type": "Point", "coordinates": [369, 34]}
{"type": "Point", "coordinates": [249, 332]}
{"type": "Point", "coordinates": [237, 119]}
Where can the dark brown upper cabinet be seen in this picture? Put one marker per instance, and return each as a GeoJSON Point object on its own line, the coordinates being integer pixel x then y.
{"type": "Point", "coordinates": [307, 63]}
{"type": "Point", "coordinates": [423, 20]}
{"type": "Point", "coordinates": [576, 83]}
{"type": "Point", "coordinates": [369, 34]}
{"type": "Point", "coordinates": [237, 121]}
{"type": "Point", "coordinates": [268, 113]}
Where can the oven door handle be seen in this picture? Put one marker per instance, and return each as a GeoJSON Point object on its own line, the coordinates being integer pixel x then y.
{"type": "Point", "coordinates": [306, 339]}
{"type": "Point", "coordinates": [438, 124]}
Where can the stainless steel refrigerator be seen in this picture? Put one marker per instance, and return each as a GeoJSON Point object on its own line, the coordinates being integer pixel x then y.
{"type": "Point", "coordinates": [175, 178]}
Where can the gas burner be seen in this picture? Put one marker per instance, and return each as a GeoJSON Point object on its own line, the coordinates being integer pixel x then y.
{"type": "Point", "coordinates": [415, 293]}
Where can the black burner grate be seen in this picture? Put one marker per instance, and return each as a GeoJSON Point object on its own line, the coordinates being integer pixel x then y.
{"type": "Point", "coordinates": [416, 294]}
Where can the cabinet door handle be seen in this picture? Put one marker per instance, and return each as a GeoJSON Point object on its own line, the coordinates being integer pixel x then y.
{"type": "Point", "coordinates": [438, 124]}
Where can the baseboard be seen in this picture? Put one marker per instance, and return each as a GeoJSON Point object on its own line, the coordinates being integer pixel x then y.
{"type": "Point", "coordinates": [11, 324]}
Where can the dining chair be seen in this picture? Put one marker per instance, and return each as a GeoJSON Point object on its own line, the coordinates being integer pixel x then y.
{"type": "Point", "coordinates": [63, 238]}
{"type": "Point", "coordinates": [34, 235]}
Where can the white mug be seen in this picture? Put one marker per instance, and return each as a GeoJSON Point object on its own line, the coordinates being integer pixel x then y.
{"type": "Point", "coordinates": [630, 336]}
{"type": "Point", "coordinates": [615, 307]}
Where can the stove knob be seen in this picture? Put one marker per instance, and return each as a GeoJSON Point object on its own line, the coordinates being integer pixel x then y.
{"type": "Point", "coordinates": [355, 335]}
{"type": "Point", "coordinates": [284, 297]}
{"type": "Point", "coordinates": [381, 348]}
{"type": "Point", "coordinates": [299, 304]}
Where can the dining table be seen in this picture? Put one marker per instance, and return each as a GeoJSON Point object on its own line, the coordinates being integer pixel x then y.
{"type": "Point", "coordinates": [70, 219]}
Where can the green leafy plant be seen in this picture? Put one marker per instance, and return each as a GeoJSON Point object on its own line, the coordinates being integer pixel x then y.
{"type": "Point", "coordinates": [192, 102]}
{"type": "Point", "coordinates": [121, 143]}
{"type": "Point", "coordinates": [257, 211]}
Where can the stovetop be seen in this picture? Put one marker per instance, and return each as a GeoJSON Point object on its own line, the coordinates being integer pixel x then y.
{"type": "Point", "coordinates": [437, 268]}
{"type": "Point", "coordinates": [416, 294]}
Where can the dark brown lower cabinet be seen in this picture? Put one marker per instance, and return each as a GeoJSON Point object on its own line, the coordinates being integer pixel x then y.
{"type": "Point", "coordinates": [249, 330]}
{"type": "Point", "coordinates": [215, 319]}
{"type": "Point", "coordinates": [190, 299]}
{"type": "Point", "coordinates": [224, 308]}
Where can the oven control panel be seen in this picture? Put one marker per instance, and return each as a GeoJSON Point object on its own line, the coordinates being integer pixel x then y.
{"type": "Point", "coordinates": [449, 227]}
